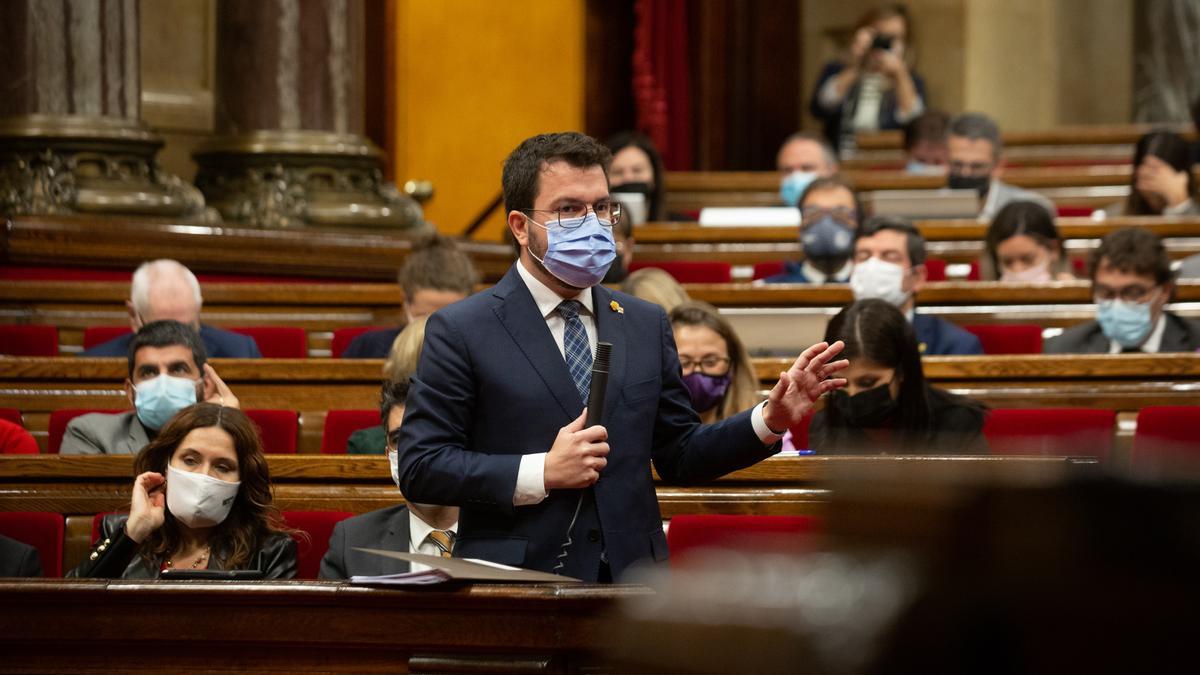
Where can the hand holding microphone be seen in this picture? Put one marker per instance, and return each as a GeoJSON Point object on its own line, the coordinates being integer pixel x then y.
{"type": "Point", "coordinates": [580, 450]}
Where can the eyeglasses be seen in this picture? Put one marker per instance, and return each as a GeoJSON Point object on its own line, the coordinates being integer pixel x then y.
{"type": "Point", "coordinates": [840, 214]}
{"type": "Point", "coordinates": [608, 213]}
{"type": "Point", "coordinates": [709, 365]}
{"type": "Point", "coordinates": [1136, 293]}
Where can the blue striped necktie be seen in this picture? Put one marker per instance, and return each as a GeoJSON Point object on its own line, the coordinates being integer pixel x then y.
{"type": "Point", "coordinates": [576, 349]}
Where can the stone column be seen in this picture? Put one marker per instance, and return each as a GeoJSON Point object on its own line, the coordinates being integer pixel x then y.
{"type": "Point", "coordinates": [71, 140]}
{"type": "Point", "coordinates": [290, 149]}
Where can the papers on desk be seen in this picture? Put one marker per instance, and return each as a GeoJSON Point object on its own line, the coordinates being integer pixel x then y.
{"type": "Point", "coordinates": [441, 570]}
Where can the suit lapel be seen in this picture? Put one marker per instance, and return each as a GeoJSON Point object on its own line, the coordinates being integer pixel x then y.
{"type": "Point", "coordinates": [396, 540]}
{"type": "Point", "coordinates": [137, 437]}
{"type": "Point", "coordinates": [610, 327]}
{"type": "Point", "coordinates": [516, 310]}
{"type": "Point", "coordinates": [1174, 338]}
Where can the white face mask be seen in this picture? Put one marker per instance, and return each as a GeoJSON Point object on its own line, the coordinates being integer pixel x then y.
{"type": "Point", "coordinates": [394, 462]}
{"type": "Point", "coordinates": [875, 278]}
{"type": "Point", "coordinates": [197, 500]}
{"type": "Point", "coordinates": [1030, 275]}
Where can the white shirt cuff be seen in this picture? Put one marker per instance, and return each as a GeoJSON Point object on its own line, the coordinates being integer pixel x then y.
{"type": "Point", "coordinates": [531, 480]}
{"type": "Point", "coordinates": [918, 108]}
{"type": "Point", "coordinates": [1180, 209]}
{"type": "Point", "coordinates": [764, 432]}
{"type": "Point", "coordinates": [828, 98]}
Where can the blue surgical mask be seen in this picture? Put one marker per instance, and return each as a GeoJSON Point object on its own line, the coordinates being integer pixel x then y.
{"type": "Point", "coordinates": [579, 251]}
{"type": "Point", "coordinates": [918, 168]}
{"type": "Point", "coordinates": [793, 186]}
{"type": "Point", "coordinates": [158, 400]}
{"type": "Point", "coordinates": [826, 239]}
{"type": "Point", "coordinates": [1126, 322]}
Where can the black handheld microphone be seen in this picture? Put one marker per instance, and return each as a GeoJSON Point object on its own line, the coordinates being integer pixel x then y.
{"type": "Point", "coordinates": [599, 384]}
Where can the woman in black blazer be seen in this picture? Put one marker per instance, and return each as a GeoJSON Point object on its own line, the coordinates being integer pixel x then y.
{"type": "Point", "coordinates": [201, 500]}
{"type": "Point", "coordinates": [887, 406]}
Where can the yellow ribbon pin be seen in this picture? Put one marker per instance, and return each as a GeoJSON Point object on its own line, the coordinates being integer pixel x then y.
{"type": "Point", "coordinates": [616, 307]}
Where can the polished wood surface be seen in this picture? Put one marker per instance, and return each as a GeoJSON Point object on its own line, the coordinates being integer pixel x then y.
{"type": "Point", "coordinates": [1089, 134]}
{"type": "Point", "coordinates": [290, 626]}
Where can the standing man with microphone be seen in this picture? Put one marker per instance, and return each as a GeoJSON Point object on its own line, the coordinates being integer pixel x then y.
{"type": "Point", "coordinates": [496, 416]}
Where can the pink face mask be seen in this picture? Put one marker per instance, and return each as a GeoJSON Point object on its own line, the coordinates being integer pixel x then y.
{"type": "Point", "coordinates": [1030, 275]}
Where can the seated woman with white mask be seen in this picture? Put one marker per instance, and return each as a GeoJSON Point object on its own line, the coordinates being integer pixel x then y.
{"type": "Point", "coordinates": [201, 500]}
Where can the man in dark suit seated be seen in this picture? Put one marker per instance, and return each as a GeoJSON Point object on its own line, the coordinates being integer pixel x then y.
{"type": "Point", "coordinates": [168, 371]}
{"type": "Point", "coordinates": [829, 215]}
{"type": "Point", "coordinates": [434, 275]}
{"type": "Point", "coordinates": [1131, 282]}
{"type": "Point", "coordinates": [889, 264]}
{"type": "Point", "coordinates": [496, 423]}
{"type": "Point", "coordinates": [164, 289]}
{"type": "Point", "coordinates": [18, 559]}
{"type": "Point", "coordinates": [411, 528]}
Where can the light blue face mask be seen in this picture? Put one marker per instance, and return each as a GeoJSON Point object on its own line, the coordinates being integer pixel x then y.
{"type": "Point", "coordinates": [1126, 322]}
{"type": "Point", "coordinates": [158, 400]}
{"type": "Point", "coordinates": [793, 186]}
{"type": "Point", "coordinates": [922, 169]}
{"type": "Point", "coordinates": [580, 253]}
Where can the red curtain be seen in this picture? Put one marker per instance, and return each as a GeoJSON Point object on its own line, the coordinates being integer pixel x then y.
{"type": "Point", "coordinates": [662, 79]}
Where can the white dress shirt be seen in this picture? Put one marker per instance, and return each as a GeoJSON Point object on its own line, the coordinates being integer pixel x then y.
{"type": "Point", "coordinates": [531, 475]}
{"type": "Point", "coordinates": [418, 538]}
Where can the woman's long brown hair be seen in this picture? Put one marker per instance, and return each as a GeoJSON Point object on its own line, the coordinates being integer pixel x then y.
{"type": "Point", "coordinates": [253, 517]}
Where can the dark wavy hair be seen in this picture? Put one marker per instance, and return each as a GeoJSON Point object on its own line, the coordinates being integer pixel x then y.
{"type": "Point", "coordinates": [1022, 218]}
{"type": "Point", "coordinates": [1171, 148]}
{"type": "Point", "coordinates": [625, 139]}
{"type": "Point", "coordinates": [522, 169]}
{"type": "Point", "coordinates": [253, 517]}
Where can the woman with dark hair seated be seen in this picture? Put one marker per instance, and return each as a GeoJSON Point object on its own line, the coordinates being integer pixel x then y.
{"type": "Point", "coordinates": [887, 406]}
{"type": "Point", "coordinates": [201, 500]}
{"type": "Point", "coordinates": [637, 168]}
{"type": "Point", "coordinates": [1023, 246]}
{"type": "Point", "coordinates": [1163, 184]}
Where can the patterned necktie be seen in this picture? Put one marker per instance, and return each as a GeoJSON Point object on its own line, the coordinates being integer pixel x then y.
{"type": "Point", "coordinates": [575, 343]}
{"type": "Point", "coordinates": [444, 540]}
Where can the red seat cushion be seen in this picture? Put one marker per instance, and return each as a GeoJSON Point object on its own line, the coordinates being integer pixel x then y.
{"type": "Point", "coordinates": [1008, 339]}
{"type": "Point", "coordinates": [278, 342]}
{"type": "Point", "coordinates": [800, 434]}
{"type": "Point", "coordinates": [1074, 211]}
{"type": "Point", "coordinates": [1167, 436]}
{"type": "Point", "coordinates": [318, 526]}
{"type": "Point", "coordinates": [98, 335]}
{"type": "Point", "coordinates": [688, 534]}
{"type": "Point", "coordinates": [767, 269]}
{"type": "Point", "coordinates": [15, 440]}
{"type": "Point", "coordinates": [340, 424]}
{"type": "Point", "coordinates": [12, 415]}
{"type": "Point", "coordinates": [59, 420]}
{"type": "Point", "coordinates": [935, 269]}
{"type": "Point", "coordinates": [278, 429]}
{"type": "Point", "coordinates": [342, 337]}
{"type": "Point", "coordinates": [1051, 431]}
{"type": "Point", "coordinates": [692, 272]}
{"type": "Point", "coordinates": [41, 530]}
{"type": "Point", "coordinates": [29, 340]}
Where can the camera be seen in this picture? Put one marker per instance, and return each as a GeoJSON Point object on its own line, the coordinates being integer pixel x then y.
{"type": "Point", "coordinates": [883, 42]}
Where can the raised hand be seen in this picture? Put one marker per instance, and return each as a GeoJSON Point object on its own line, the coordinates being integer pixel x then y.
{"type": "Point", "coordinates": [1156, 176]}
{"type": "Point", "coordinates": [215, 389]}
{"type": "Point", "coordinates": [577, 457]}
{"type": "Point", "coordinates": [147, 509]}
{"type": "Point", "coordinates": [798, 388]}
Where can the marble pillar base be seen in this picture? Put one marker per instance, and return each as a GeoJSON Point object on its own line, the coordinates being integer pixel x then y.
{"type": "Point", "coordinates": [58, 164]}
{"type": "Point", "coordinates": [283, 179]}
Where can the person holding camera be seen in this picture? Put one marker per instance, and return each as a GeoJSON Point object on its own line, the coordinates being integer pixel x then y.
{"type": "Point", "coordinates": [874, 88]}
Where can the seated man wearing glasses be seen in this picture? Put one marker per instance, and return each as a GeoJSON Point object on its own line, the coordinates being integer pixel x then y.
{"type": "Point", "coordinates": [829, 215]}
{"type": "Point", "coordinates": [1131, 282]}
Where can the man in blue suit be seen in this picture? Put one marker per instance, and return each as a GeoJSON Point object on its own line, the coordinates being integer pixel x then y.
{"type": "Point", "coordinates": [165, 289]}
{"type": "Point", "coordinates": [889, 264]}
{"type": "Point", "coordinates": [495, 417]}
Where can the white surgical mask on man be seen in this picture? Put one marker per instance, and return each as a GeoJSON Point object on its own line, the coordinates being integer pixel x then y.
{"type": "Point", "coordinates": [875, 278]}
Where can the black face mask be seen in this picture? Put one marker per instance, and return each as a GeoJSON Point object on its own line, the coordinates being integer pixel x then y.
{"type": "Point", "coordinates": [866, 409]}
{"type": "Point", "coordinates": [638, 188]}
{"type": "Point", "coordinates": [616, 272]}
{"type": "Point", "coordinates": [979, 184]}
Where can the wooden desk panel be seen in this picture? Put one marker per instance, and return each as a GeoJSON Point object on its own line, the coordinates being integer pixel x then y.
{"type": "Point", "coordinates": [1081, 134]}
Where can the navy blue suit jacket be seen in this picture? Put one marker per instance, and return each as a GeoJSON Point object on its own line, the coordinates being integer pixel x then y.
{"type": "Point", "coordinates": [939, 337]}
{"type": "Point", "coordinates": [220, 344]}
{"type": "Point", "coordinates": [492, 386]}
{"type": "Point", "coordinates": [373, 344]}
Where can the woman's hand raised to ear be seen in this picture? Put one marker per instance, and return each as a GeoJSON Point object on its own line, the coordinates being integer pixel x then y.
{"type": "Point", "coordinates": [147, 510]}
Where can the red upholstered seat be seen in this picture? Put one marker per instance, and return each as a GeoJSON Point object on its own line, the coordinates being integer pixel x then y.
{"type": "Point", "coordinates": [1074, 211]}
{"type": "Point", "coordinates": [800, 434]}
{"type": "Point", "coordinates": [342, 337]}
{"type": "Point", "coordinates": [41, 530]}
{"type": "Point", "coordinates": [12, 415]}
{"type": "Point", "coordinates": [59, 420]}
{"type": "Point", "coordinates": [1008, 339]}
{"type": "Point", "coordinates": [15, 440]}
{"type": "Point", "coordinates": [29, 340]}
{"type": "Point", "coordinates": [278, 342]}
{"type": "Point", "coordinates": [340, 424]}
{"type": "Point", "coordinates": [1167, 436]}
{"type": "Point", "coordinates": [692, 272]}
{"type": "Point", "coordinates": [1051, 431]}
{"type": "Point", "coordinates": [767, 269]}
{"type": "Point", "coordinates": [98, 335]}
{"type": "Point", "coordinates": [935, 269]}
{"type": "Point", "coordinates": [688, 534]}
{"type": "Point", "coordinates": [278, 429]}
{"type": "Point", "coordinates": [318, 526]}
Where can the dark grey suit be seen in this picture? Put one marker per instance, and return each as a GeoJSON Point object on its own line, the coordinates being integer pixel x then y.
{"type": "Point", "coordinates": [385, 529]}
{"type": "Point", "coordinates": [18, 559]}
{"type": "Point", "coordinates": [1179, 335]}
{"type": "Point", "coordinates": [104, 434]}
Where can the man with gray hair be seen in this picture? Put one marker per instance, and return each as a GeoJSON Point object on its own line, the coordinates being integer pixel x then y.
{"type": "Point", "coordinates": [165, 289]}
{"type": "Point", "coordinates": [975, 151]}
